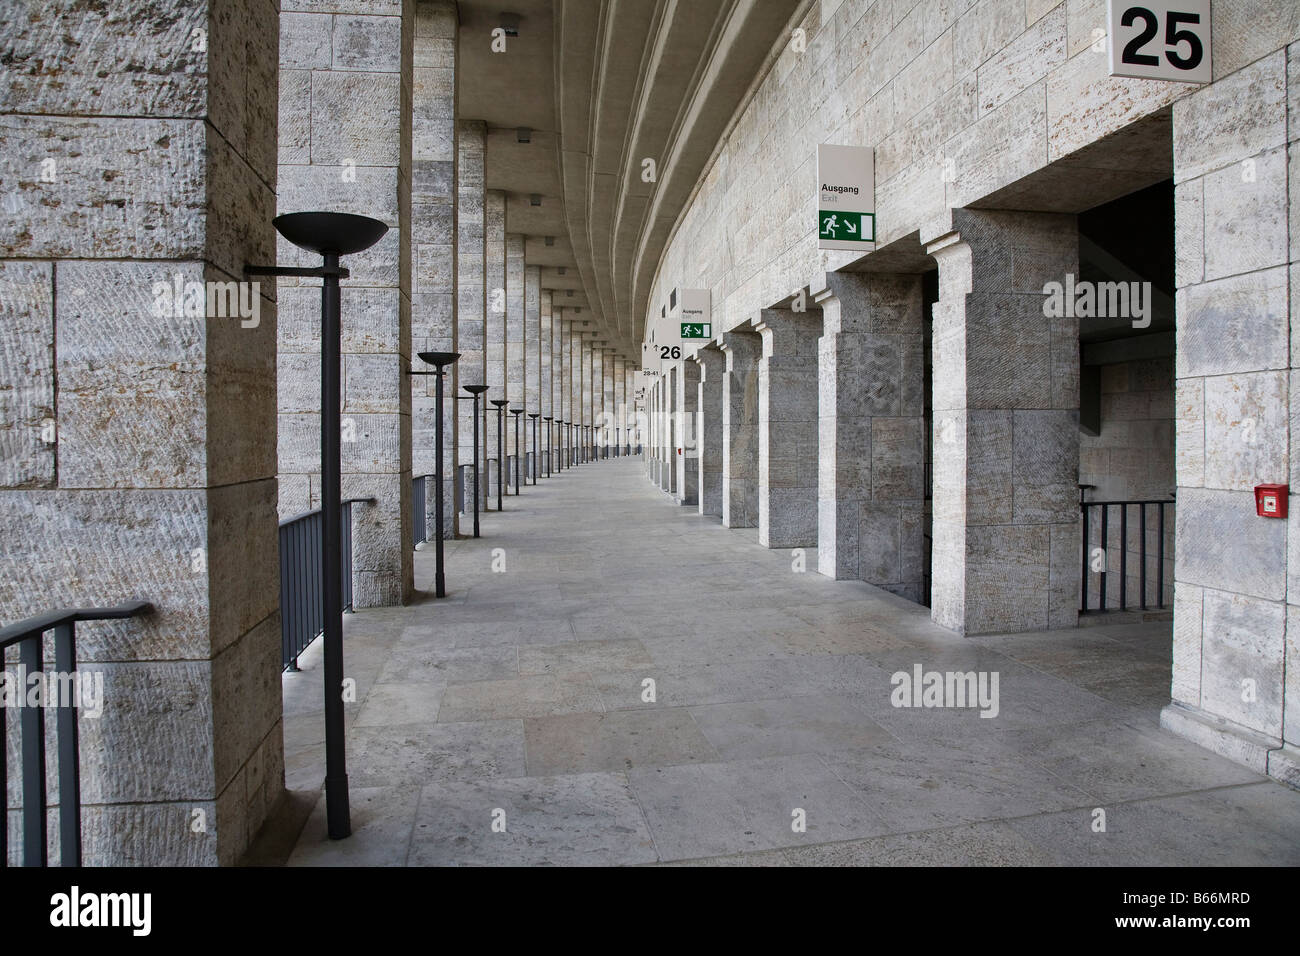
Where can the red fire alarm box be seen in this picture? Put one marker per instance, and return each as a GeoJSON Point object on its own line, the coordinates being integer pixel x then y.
{"type": "Point", "coordinates": [1270, 501]}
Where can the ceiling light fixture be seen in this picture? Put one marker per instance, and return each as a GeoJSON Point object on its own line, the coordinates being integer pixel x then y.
{"type": "Point", "coordinates": [535, 199]}
{"type": "Point", "coordinates": [510, 23]}
{"type": "Point", "coordinates": [524, 134]}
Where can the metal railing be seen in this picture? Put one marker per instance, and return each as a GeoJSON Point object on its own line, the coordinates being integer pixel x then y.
{"type": "Point", "coordinates": [29, 636]}
{"type": "Point", "coordinates": [419, 492]}
{"type": "Point", "coordinates": [1097, 521]}
{"type": "Point", "coordinates": [302, 608]}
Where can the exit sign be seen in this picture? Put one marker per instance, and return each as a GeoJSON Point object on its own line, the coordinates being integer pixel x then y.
{"type": "Point", "coordinates": [697, 330]}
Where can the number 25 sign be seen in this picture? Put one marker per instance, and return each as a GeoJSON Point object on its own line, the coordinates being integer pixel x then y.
{"type": "Point", "coordinates": [1160, 39]}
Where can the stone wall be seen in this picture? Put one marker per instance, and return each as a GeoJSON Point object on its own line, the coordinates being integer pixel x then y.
{"type": "Point", "coordinates": [1004, 104]}
{"type": "Point", "coordinates": [137, 451]}
{"type": "Point", "coordinates": [345, 147]}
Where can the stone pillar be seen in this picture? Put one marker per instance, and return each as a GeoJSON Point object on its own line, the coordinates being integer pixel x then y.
{"type": "Point", "coordinates": [433, 236]}
{"type": "Point", "coordinates": [354, 162]}
{"type": "Point", "coordinates": [471, 289]}
{"type": "Point", "coordinates": [672, 430]}
{"type": "Point", "coordinates": [622, 404]}
{"type": "Point", "coordinates": [597, 398]}
{"type": "Point", "coordinates": [586, 396]}
{"type": "Point", "coordinates": [546, 381]}
{"type": "Point", "coordinates": [787, 429]}
{"type": "Point", "coordinates": [1006, 436]}
{"type": "Point", "coordinates": [872, 431]}
{"type": "Point", "coordinates": [742, 349]}
{"type": "Point", "coordinates": [1237, 575]}
{"type": "Point", "coordinates": [532, 355]}
{"type": "Point", "coordinates": [152, 475]}
{"type": "Point", "coordinates": [494, 226]}
{"type": "Point", "coordinates": [566, 389]}
{"type": "Point", "coordinates": [712, 364]}
{"type": "Point", "coordinates": [687, 399]}
{"type": "Point", "coordinates": [609, 408]}
{"type": "Point", "coordinates": [516, 374]}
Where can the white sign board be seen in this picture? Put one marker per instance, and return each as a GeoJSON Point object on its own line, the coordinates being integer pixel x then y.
{"type": "Point", "coordinates": [694, 321]}
{"type": "Point", "coordinates": [846, 197]}
{"type": "Point", "coordinates": [1159, 39]}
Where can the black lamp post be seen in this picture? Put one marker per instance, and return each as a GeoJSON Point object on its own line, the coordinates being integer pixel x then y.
{"type": "Point", "coordinates": [501, 404]}
{"type": "Point", "coordinates": [439, 361]}
{"type": "Point", "coordinates": [547, 419]}
{"type": "Point", "coordinates": [330, 234]}
{"type": "Point", "coordinates": [518, 457]}
{"type": "Point", "coordinates": [536, 456]}
{"type": "Point", "coordinates": [475, 391]}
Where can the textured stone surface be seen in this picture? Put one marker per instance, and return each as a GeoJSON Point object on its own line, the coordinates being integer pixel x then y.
{"type": "Point", "coordinates": [27, 421]}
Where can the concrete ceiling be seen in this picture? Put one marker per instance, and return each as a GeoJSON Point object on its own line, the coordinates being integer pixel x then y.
{"type": "Point", "coordinates": [604, 85]}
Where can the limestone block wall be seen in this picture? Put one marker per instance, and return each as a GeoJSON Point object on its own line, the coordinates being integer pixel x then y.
{"type": "Point", "coordinates": [137, 450]}
{"type": "Point", "coordinates": [471, 289]}
{"type": "Point", "coordinates": [433, 237]}
{"type": "Point", "coordinates": [958, 99]}
{"type": "Point", "coordinates": [345, 147]}
{"type": "Point", "coordinates": [1237, 596]}
{"type": "Point", "coordinates": [516, 373]}
{"type": "Point", "coordinates": [494, 218]}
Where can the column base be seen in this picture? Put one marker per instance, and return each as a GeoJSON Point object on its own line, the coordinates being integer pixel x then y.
{"type": "Point", "coordinates": [1259, 752]}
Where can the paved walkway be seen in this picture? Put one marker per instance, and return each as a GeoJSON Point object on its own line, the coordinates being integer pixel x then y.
{"type": "Point", "coordinates": [523, 694]}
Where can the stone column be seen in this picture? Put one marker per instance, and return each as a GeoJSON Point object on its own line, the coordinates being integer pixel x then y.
{"type": "Point", "coordinates": [742, 349]}
{"type": "Point", "coordinates": [687, 399]}
{"type": "Point", "coordinates": [546, 379]}
{"type": "Point", "coordinates": [566, 388]}
{"type": "Point", "coordinates": [597, 398]}
{"type": "Point", "coordinates": [1006, 436]}
{"type": "Point", "coordinates": [787, 429]}
{"type": "Point", "coordinates": [471, 289]}
{"type": "Point", "coordinates": [138, 455]}
{"type": "Point", "coordinates": [532, 354]}
{"type": "Point", "coordinates": [609, 409]}
{"type": "Point", "coordinates": [712, 364]}
{"type": "Point", "coordinates": [621, 404]}
{"type": "Point", "coordinates": [516, 374]}
{"type": "Point", "coordinates": [872, 431]}
{"type": "Point", "coordinates": [1236, 653]}
{"type": "Point", "coordinates": [347, 155]}
{"type": "Point", "coordinates": [672, 430]}
{"type": "Point", "coordinates": [433, 236]}
{"type": "Point", "coordinates": [584, 417]}
{"type": "Point", "coordinates": [494, 216]}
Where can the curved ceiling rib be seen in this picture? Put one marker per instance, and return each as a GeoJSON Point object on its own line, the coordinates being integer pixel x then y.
{"type": "Point", "coordinates": [604, 85]}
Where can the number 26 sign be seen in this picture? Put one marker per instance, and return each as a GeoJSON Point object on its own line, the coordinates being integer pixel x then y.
{"type": "Point", "coordinates": [1159, 39]}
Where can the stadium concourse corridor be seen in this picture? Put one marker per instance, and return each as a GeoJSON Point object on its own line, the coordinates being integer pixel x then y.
{"type": "Point", "coordinates": [513, 722]}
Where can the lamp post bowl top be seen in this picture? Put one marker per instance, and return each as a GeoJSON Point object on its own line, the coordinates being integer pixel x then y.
{"type": "Point", "coordinates": [516, 411]}
{"type": "Point", "coordinates": [475, 389]}
{"type": "Point", "coordinates": [439, 359]}
{"type": "Point", "coordinates": [341, 233]}
{"type": "Point", "coordinates": [499, 402]}
{"type": "Point", "coordinates": [546, 418]}
{"type": "Point", "coordinates": [534, 414]}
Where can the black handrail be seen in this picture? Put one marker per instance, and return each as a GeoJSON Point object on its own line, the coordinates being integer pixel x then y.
{"type": "Point", "coordinates": [302, 609]}
{"type": "Point", "coordinates": [29, 636]}
{"type": "Point", "coordinates": [1104, 544]}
